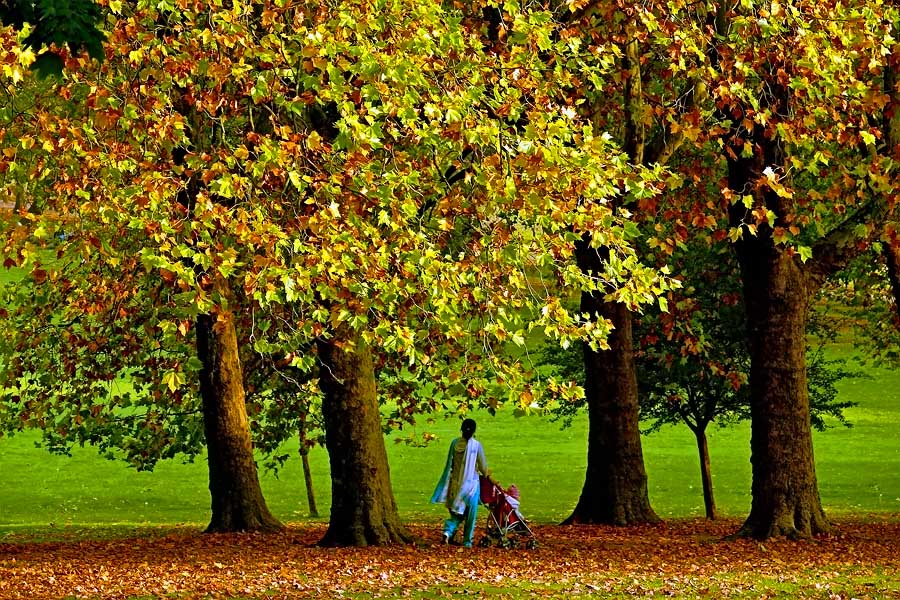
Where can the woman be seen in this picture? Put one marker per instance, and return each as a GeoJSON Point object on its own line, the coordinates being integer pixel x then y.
{"type": "Point", "coordinates": [459, 486]}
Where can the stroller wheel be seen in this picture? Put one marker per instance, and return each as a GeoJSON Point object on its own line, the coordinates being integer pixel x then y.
{"type": "Point", "coordinates": [531, 544]}
{"type": "Point", "coordinates": [509, 542]}
{"type": "Point", "coordinates": [485, 541]}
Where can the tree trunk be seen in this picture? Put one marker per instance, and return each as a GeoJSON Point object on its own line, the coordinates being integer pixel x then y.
{"type": "Point", "coordinates": [237, 500]}
{"type": "Point", "coordinates": [615, 485]}
{"type": "Point", "coordinates": [709, 501]}
{"type": "Point", "coordinates": [776, 296]}
{"type": "Point", "coordinates": [890, 123]}
{"type": "Point", "coordinates": [892, 259]}
{"type": "Point", "coordinates": [307, 474]}
{"type": "Point", "coordinates": [785, 492]}
{"type": "Point", "coordinates": [363, 510]}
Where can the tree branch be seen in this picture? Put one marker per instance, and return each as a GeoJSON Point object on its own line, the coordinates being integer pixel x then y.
{"type": "Point", "coordinates": [838, 248]}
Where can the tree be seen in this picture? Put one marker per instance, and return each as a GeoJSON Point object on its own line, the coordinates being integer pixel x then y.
{"type": "Point", "coordinates": [693, 362]}
{"type": "Point", "coordinates": [783, 116]}
{"type": "Point", "coordinates": [54, 26]}
{"type": "Point", "coordinates": [394, 188]}
{"type": "Point", "coordinates": [778, 121]}
{"type": "Point", "coordinates": [651, 102]}
{"type": "Point", "coordinates": [237, 500]}
{"type": "Point", "coordinates": [283, 402]}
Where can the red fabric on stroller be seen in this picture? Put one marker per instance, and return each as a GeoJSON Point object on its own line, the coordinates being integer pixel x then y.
{"type": "Point", "coordinates": [504, 518]}
{"type": "Point", "coordinates": [488, 490]}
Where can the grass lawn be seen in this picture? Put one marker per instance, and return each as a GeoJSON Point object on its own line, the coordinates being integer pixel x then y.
{"type": "Point", "coordinates": [858, 472]}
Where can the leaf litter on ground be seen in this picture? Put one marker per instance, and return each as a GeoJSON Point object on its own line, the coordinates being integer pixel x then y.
{"type": "Point", "coordinates": [681, 558]}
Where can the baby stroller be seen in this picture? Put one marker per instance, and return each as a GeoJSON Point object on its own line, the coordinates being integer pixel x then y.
{"type": "Point", "coordinates": [506, 527]}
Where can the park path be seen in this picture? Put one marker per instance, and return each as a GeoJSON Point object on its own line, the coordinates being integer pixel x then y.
{"type": "Point", "coordinates": [681, 558]}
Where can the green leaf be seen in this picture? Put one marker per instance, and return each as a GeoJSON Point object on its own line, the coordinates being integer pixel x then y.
{"type": "Point", "coordinates": [663, 304]}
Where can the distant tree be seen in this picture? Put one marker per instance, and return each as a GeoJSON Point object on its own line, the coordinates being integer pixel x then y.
{"type": "Point", "coordinates": [692, 361]}
{"type": "Point", "coordinates": [284, 402]}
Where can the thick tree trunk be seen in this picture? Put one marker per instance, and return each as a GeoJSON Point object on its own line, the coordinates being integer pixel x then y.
{"type": "Point", "coordinates": [785, 492]}
{"type": "Point", "coordinates": [237, 500]}
{"type": "Point", "coordinates": [615, 485]}
{"type": "Point", "coordinates": [709, 501]}
{"type": "Point", "coordinates": [776, 296]}
{"type": "Point", "coordinates": [363, 510]}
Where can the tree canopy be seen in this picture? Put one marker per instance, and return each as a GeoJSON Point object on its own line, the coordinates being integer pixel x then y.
{"type": "Point", "coordinates": [386, 170]}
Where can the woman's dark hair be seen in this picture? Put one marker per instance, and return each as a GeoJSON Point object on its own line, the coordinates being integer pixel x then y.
{"type": "Point", "coordinates": [468, 428]}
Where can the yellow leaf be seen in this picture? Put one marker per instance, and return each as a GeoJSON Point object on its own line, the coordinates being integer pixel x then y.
{"type": "Point", "coordinates": [314, 141]}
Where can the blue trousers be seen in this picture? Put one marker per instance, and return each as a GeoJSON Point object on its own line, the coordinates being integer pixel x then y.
{"type": "Point", "coordinates": [468, 517]}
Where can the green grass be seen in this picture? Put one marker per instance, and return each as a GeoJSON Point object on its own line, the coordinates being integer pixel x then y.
{"type": "Point", "coordinates": [730, 585]}
{"type": "Point", "coordinates": [858, 472]}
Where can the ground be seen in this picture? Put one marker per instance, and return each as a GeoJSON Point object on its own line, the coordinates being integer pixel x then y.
{"type": "Point", "coordinates": [686, 558]}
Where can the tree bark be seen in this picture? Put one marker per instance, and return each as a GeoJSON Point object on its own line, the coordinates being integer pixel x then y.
{"type": "Point", "coordinates": [776, 289]}
{"type": "Point", "coordinates": [237, 500]}
{"type": "Point", "coordinates": [363, 509]}
{"type": "Point", "coordinates": [615, 485]}
{"type": "Point", "coordinates": [709, 501]}
{"type": "Point", "coordinates": [785, 492]}
{"type": "Point", "coordinates": [892, 260]}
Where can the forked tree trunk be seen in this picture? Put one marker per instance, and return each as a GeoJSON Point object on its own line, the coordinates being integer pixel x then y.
{"type": "Point", "coordinates": [709, 501]}
{"type": "Point", "coordinates": [363, 510]}
{"type": "Point", "coordinates": [237, 500]}
{"type": "Point", "coordinates": [615, 485]}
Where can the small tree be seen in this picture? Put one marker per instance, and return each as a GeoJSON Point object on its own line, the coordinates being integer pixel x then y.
{"type": "Point", "coordinates": [283, 402]}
